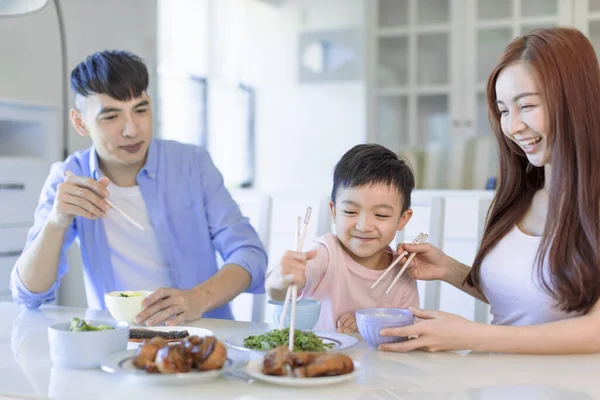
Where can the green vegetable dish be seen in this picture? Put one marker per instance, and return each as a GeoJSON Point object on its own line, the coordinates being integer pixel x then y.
{"type": "Point", "coordinates": [129, 295]}
{"type": "Point", "coordinates": [79, 325]}
{"type": "Point", "coordinates": [303, 341]}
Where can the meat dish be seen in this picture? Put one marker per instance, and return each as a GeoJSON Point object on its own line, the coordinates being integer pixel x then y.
{"type": "Point", "coordinates": [140, 334]}
{"type": "Point", "coordinates": [282, 362]}
{"type": "Point", "coordinates": [203, 354]}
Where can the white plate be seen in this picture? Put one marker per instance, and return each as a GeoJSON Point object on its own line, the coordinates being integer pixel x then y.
{"type": "Point", "coordinates": [201, 332]}
{"type": "Point", "coordinates": [122, 363]}
{"type": "Point", "coordinates": [339, 340]}
{"type": "Point", "coordinates": [254, 369]}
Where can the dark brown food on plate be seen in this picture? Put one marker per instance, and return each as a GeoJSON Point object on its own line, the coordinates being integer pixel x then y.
{"type": "Point", "coordinates": [146, 354]}
{"type": "Point", "coordinates": [325, 364]}
{"type": "Point", "coordinates": [141, 334]}
{"type": "Point", "coordinates": [208, 353]}
{"type": "Point", "coordinates": [173, 359]}
{"type": "Point", "coordinates": [277, 361]}
{"type": "Point", "coordinates": [204, 354]}
{"type": "Point", "coordinates": [306, 364]}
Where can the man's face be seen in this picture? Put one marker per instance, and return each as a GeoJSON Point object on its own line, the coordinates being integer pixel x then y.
{"type": "Point", "coordinates": [120, 130]}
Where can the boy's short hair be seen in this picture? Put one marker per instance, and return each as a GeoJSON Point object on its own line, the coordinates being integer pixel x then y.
{"type": "Point", "coordinates": [119, 74]}
{"type": "Point", "coordinates": [373, 164]}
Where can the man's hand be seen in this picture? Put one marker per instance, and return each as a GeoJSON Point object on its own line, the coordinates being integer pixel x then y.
{"type": "Point", "coordinates": [79, 196]}
{"type": "Point", "coordinates": [173, 306]}
{"type": "Point", "coordinates": [347, 323]}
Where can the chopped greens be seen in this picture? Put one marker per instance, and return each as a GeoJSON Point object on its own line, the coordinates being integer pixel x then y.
{"type": "Point", "coordinates": [303, 341]}
{"type": "Point", "coordinates": [129, 295]}
{"type": "Point", "coordinates": [79, 325]}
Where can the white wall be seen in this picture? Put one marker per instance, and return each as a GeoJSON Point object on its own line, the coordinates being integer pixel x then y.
{"type": "Point", "coordinates": [254, 42]}
{"type": "Point", "coordinates": [30, 62]}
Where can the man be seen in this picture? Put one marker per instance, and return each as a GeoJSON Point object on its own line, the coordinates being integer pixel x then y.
{"type": "Point", "coordinates": [173, 190]}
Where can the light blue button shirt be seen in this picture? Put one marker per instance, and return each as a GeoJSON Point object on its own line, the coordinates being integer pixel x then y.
{"type": "Point", "coordinates": [191, 211]}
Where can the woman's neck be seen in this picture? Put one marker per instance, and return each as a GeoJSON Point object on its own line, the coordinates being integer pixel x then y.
{"type": "Point", "coordinates": [547, 176]}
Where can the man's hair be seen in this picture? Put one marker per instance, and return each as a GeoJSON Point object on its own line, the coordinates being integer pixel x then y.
{"type": "Point", "coordinates": [119, 74]}
{"type": "Point", "coordinates": [373, 164]}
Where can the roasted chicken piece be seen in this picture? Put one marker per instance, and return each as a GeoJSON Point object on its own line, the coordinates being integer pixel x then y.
{"type": "Point", "coordinates": [325, 364]}
{"type": "Point", "coordinates": [146, 354]}
{"type": "Point", "coordinates": [173, 359]}
{"type": "Point", "coordinates": [277, 361]}
{"type": "Point", "coordinates": [306, 364]}
{"type": "Point", "coordinates": [207, 353]}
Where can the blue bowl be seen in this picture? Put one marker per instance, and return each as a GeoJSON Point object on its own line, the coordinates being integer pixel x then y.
{"type": "Point", "coordinates": [371, 321]}
{"type": "Point", "coordinates": [307, 313]}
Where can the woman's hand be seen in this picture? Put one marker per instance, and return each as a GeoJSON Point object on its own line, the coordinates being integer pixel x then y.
{"type": "Point", "coordinates": [439, 331]}
{"type": "Point", "coordinates": [429, 264]}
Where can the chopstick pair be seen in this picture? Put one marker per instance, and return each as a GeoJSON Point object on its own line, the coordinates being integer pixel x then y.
{"type": "Point", "coordinates": [113, 206]}
{"type": "Point", "coordinates": [292, 291]}
{"type": "Point", "coordinates": [421, 238]}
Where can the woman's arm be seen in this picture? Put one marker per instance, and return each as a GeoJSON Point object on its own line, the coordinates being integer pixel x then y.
{"type": "Point", "coordinates": [456, 274]}
{"type": "Point", "coordinates": [443, 331]}
{"type": "Point", "coordinates": [432, 264]}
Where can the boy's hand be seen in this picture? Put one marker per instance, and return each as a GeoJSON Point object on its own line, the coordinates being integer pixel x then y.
{"type": "Point", "coordinates": [292, 270]}
{"type": "Point", "coordinates": [347, 323]}
{"type": "Point", "coordinates": [79, 196]}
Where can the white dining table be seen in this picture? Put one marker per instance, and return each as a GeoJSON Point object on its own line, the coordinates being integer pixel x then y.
{"type": "Point", "coordinates": [26, 370]}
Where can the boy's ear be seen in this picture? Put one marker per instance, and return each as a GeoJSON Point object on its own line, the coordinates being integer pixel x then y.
{"type": "Point", "coordinates": [77, 122]}
{"type": "Point", "coordinates": [404, 218]}
{"type": "Point", "coordinates": [332, 209]}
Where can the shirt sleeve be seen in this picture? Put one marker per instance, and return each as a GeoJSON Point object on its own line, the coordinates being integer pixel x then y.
{"type": "Point", "coordinates": [20, 293]}
{"type": "Point", "coordinates": [232, 235]}
{"type": "Point", "coordinates": [315, 271]}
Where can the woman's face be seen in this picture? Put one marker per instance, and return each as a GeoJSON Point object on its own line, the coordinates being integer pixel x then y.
{"type": "Point", "coordinates": [523, 114]}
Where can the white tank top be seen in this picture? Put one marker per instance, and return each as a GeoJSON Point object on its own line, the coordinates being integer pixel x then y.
{"type": "Point", "coordinates": [509, 277]}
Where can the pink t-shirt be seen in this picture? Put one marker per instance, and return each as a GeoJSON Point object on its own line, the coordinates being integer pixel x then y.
{"type": "Point", "coordinates": [342, 285]}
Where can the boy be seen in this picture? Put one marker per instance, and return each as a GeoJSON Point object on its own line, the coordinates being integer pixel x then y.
{"type": "Point", "coordinates": [370, 201]}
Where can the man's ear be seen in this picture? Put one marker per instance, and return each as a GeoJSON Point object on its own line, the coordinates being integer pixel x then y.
{"type": "Point", "coordinates": [404, 218]}
{"type": "Point", "coordinates": [77, 122]}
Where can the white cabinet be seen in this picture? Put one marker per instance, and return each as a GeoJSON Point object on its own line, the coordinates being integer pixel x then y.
{"type": "Point", "coordinates": [427, 65]}
{"type": "Point", "coordinates": [587, 18]}
{"type": "Point", "coordinates": [29, 143]}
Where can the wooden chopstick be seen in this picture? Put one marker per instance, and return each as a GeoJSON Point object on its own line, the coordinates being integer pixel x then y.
{"type": "Point", "coordinates": [292, 292]}
{"type": "Point", "coordinates": [396, 261]}
{"type": "Point", "coordinates": [288, 294]}
{"type": "Point", "coordinates": [410, 258]}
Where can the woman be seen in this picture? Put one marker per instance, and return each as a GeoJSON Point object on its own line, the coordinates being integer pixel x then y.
{"type": "Point", "coordinates": [538, 265]}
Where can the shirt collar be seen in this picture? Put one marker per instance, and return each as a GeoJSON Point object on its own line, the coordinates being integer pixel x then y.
{"type": "Point", "coordinates": [149, 167]}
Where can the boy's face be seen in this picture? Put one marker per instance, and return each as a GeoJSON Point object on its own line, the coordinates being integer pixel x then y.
{"type": "Point", "coordinates": [367, 218]}
{"type": "Point", "coordinates": [120, 130]}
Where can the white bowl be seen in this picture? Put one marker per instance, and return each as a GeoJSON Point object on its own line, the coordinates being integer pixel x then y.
{"type": "Point", "coordinates": [86, 349]}
{"type": "Point", "coordinates": [125, 308]}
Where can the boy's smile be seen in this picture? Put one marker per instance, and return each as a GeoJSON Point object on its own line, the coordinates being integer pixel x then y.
{"type": "Point", "coordinates": [366, 221]}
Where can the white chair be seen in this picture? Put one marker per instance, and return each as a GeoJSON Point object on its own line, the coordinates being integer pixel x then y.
{"type": "Point", "coordinates": [257, 207]}
{"type": "Point", "coordinates": [432, 224]}
{"type": "Point", "coordinates": [482, 310]}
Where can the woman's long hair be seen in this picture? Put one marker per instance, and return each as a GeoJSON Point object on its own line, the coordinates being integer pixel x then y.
{"type": "Point", "coordinates": [565, 66]}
